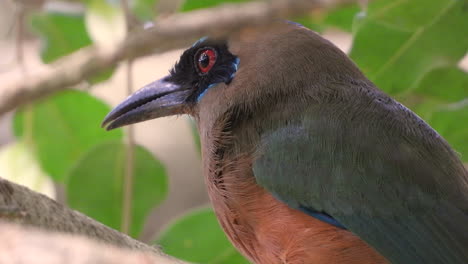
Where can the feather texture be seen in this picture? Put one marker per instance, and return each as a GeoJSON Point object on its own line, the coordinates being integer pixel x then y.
{"type": "Point", "coordinates": [378, 169]}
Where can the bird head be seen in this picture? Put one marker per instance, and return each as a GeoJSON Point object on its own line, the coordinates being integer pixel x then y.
{"type": "Point", "coordinates": [252, 68]}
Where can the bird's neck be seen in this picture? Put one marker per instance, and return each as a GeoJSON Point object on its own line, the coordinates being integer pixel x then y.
{"type": "Point", "coordinates": [229, 132]}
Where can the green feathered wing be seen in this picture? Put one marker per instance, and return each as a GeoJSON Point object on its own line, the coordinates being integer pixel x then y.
{"type": "Point", "coordinates": [380, 171]}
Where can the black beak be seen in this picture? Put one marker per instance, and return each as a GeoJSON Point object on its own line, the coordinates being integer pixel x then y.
{"type": "Point", "coordinates": [157, 99]}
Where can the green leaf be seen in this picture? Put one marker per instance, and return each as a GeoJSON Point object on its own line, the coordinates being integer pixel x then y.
{"type": "Point", "coordinates": [102, 77]}
{"type": "Point", "coordinates": [449, 84]}
{"type": "Point", "coordinates": [342, 18]}
{"type": "Point", "coordinates": [451, 123]}
{"type": "Point", "coordinates": [95, 185]}
{"type": "Point", "coordinates": [197, 237]}
{"type": "Point", "coordinates": [63, 127]}
{"type": "Point", "coordinates": [60, 33]}
{"type": "Point", "coordinates": [105, 22]}
{"type": "Point", "coordinates": [198, 4]}
{"type": "Point", "coordinates": [423, 106]}
{"type": "Point", "coordinates": [18, 164]}
{"type": "Point", "coordinates": [195, 134]}
{"type": "Point", "coordinates": [145, 9]}
{"type": "Point", "coordinates": [312, 22]}
{"type": "Point", "coordinates": [397, 42]}
{"type": "Point", "coordinates": [406, 14]}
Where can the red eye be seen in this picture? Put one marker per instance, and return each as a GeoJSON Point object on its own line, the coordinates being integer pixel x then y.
{"type": "Point", "coordinates": [206, 59]}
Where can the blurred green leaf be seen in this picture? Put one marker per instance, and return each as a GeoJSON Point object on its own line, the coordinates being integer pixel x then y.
{"type": "Point", "coordinates": [60, 33]}
{"type": "Point", "coordinates": [145, 9]}
{"type": "Point", "coordinates": [18, 164]}
{"type": "Point", "coordinates": [197, 237]}
{"type": "Point", "coordinates": [421, 105]}
{"type": "Point", "coordinates": [105, 22]}
{"type": "Point", "coordinates": [102, 77]}
{"type": "Point", "coordinates": [397, 42]}
{"type": "Point", "coordinates": [452, 124]}
{"type": "Point", "coordinates": [449, 84]}
{"type": "Point", "coordinates": [195, 134]}
{"type": "Point", "coordinates": [342, 18]}
{"type": "Point", "coordinates": [198, 4]}
{"type": "Point", "coordinates": [312, 22]}
{"type": "Point", "coordinates": [65, 126]}
{"type": "Point", "coordinates": [95, 185]}
{"type": "Point", "coordinates": [407, 14]}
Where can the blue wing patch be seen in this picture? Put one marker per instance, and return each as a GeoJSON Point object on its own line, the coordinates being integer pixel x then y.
{"type": "Point", "coordinates": [322, 216]}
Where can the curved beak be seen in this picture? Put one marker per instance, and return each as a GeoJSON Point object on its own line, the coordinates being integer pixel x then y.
{"type": "Point", "coordinates": [157, 99]}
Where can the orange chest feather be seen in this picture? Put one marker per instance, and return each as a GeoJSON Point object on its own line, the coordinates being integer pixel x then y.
{"type": "Point", "coordinates": [269, 232]}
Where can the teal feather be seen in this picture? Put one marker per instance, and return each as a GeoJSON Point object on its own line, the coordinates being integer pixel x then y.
{"type": "Point", "coordinates": [378, 169]}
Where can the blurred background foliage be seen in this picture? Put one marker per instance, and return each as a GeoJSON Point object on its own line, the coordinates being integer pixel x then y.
{"type": "Point", "coordinates": [410, 48]}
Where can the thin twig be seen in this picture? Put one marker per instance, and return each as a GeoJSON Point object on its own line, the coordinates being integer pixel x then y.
{"type": "Point", "coordinates": [6, 65]}
{"type": "Point", "coordinates": [129, 142]}
{"type": "Point", "coordinates": [19, 41]}
{"type": "Point", "coordinates": [129, 166]}
{"type": "Point", "coordinates": [21, 63]}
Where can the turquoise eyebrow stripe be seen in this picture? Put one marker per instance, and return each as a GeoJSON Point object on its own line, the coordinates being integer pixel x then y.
{"type": "Point", "coordinates": [235, 65]}
{"type": "Point", "coordinates": [203, 93]}
{"type": "Point", "coordinates": [199, 41]}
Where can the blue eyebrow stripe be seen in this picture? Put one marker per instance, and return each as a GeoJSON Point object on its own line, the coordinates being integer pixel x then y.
{"type": "Point", "coordinates": [199, 41]}
{"type": "Point", "coordinates": [294, 23]}
{"type": "Point", "coordinates": [203, 93]}
{"type": "Point", "coordinates": [235, 65]}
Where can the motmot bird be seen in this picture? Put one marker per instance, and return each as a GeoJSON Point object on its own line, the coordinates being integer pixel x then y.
{"type": "Point", "coordinates": [305, 159]}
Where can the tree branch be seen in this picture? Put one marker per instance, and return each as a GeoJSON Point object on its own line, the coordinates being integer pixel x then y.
{"type": "Point", "coordinates": [173, 32]}
{"type": "Point", "coordinates": [20, 205]}
{"type": "Point", "coordinates": [32, 246]}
